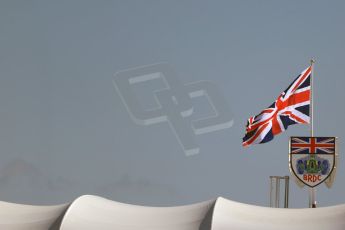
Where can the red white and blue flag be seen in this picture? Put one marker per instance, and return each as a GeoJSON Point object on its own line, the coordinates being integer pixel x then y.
{"type": "Point", "coordinates": [291, 107]}
{"type": "Point", "coordinates": [312, 145]}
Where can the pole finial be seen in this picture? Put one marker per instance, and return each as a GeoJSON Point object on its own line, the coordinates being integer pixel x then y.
{"type": "Point", "coordinates": [312, 61]}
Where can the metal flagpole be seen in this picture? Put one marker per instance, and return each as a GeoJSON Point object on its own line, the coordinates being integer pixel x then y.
{"type": "Point", "coordinates": [312, 191]}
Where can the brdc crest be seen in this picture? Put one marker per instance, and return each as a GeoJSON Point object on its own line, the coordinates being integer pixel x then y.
{"type": "Point", "coordinates": [312, 159]}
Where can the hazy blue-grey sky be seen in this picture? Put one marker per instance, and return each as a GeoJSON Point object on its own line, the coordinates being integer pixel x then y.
{"type": "Point", "coordinates": [66, 132]}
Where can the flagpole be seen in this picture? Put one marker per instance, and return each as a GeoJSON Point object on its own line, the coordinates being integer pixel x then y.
{"type": "Point", "coordinates": [312, 191]}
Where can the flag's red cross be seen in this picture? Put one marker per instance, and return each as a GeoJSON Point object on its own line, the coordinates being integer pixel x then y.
{"type": "Point", "coordinates": [312, 145]}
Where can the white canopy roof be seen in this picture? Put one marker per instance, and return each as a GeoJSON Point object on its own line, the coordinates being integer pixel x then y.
{"type": "Point", "coordinates": [92, 212]}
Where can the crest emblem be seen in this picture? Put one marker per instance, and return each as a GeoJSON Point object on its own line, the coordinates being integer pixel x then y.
{"type": "Point", "coordinates": [312, 159]}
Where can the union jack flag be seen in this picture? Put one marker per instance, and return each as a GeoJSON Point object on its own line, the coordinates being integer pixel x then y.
{"type": "Point", "coordinates": [291, 107]}
{"type": "Point", "coordinates": [311, 145]}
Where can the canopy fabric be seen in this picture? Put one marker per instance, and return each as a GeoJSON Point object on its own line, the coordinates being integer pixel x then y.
{"type": "Point", "coordinates": [93, 212]}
